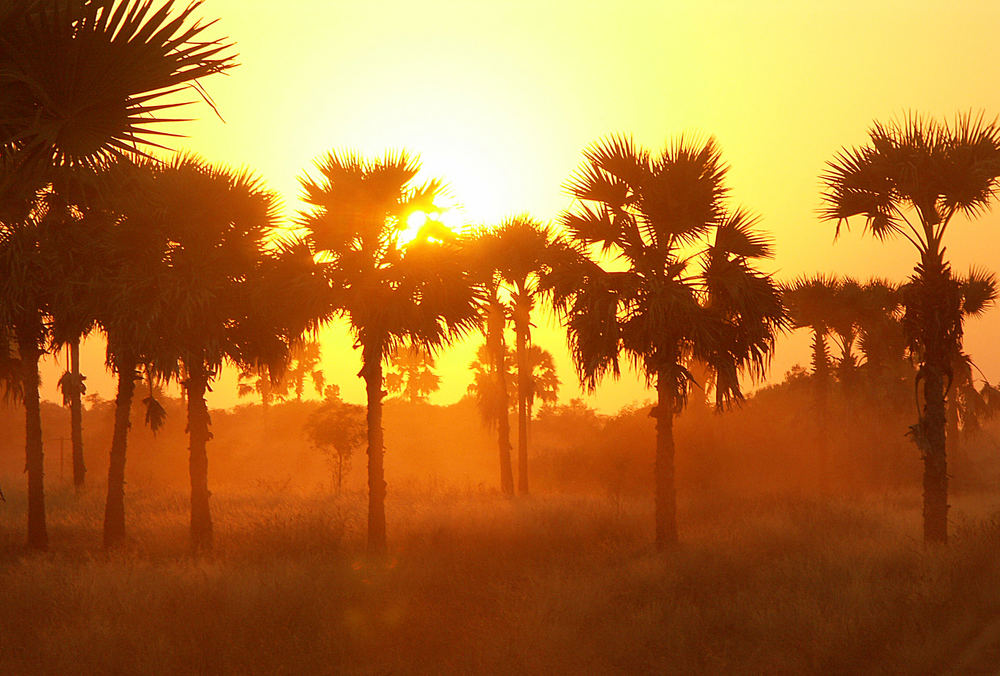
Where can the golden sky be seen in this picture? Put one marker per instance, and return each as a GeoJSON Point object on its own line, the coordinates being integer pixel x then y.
{"type": "Point", "coordinates": [499, 99]}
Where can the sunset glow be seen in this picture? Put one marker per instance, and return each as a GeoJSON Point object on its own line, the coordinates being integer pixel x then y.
{"type": "Point", "coordinates": [521, 337]}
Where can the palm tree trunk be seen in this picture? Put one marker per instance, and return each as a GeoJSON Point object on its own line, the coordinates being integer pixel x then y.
{"type": "Point", "coordinates": [495, 322]}
{"type": "Point", "coordinates": [198, 423]}
{"type": "Point", "coordinates": [27, 343]}
{"type": "Point", "coordinates": [76, 415]}
{"type": "Point", "coordinates": [114, 508]}
{"type": "Point", "coordinates": [939, 320]}
{"type": "Point", "coordinates": [821, 375]}
{"type": "Point", "coordinates": [666, 492]}
{"type": "Point", "coordinates": [372, 373]}
{"type": "Point", "coordinates": [523, 383]}
{"type": "Point", "coordinates": [503, 430]}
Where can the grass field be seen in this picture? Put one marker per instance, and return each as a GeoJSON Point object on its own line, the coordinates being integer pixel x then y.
{"type": "Point", "coordinates": [479, 584]}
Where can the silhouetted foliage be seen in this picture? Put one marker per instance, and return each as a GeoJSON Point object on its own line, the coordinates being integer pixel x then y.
{"type": "Point", "coordinates": [909, 181]}
{"type": "Point", "coordinates": [392, 293]}
{"type": "Point", "coordinates": [688, 291]}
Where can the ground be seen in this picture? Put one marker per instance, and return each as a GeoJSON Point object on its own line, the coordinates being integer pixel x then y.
{"type": "Point", "coordinates": [476, 583]}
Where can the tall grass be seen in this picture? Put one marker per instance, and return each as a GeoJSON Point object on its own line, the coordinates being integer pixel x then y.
{"type": "Point", "coordinates": [479, 584]}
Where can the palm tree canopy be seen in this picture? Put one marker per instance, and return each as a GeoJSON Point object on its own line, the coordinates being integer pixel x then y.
{"type": "Point", "coordinates": [220, 283]}
{"type": "Point", "coordinates": [933, 169]}
{"type": "Point", "coordinates": [811, 301]}
{"type": "Point", "coordinates": [689, 288]}
{"type": "Point", "coordinates": [85, 80]}
{"type": "Point", "coordinates": [421, 292]}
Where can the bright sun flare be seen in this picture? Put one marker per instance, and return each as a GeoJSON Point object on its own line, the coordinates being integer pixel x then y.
{"type": "Point", "coordinates": [447, 214]}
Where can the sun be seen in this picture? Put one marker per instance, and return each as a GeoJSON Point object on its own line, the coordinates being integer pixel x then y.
{"type": "Point", "coordinates": [446, 213]}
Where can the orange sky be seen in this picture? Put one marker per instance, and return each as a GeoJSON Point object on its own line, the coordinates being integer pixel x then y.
{"type": "Point", "coordinates": [500, 98]}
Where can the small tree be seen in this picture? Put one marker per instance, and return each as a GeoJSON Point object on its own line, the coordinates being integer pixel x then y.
{"type": "Point", "coordinates": [337, 429]}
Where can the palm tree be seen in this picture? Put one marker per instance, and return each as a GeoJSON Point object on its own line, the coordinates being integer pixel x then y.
{"type": "Point", "coordinates": [391, 292]}
{"type": "Point", "coordinates": [968, 405]}
{"type": "Point", "coordinates": [810, 302]}
{"type": "Point", "coordinates": [910, 181]}
{"type": "Point", "coordinates": [484, 254]}
{"type": "Point", "coordinates": [254, 380]}
{"type": "Point", "coordinates": [233, 298]}
{"type": "Point", "coordinates": [304, 363]}
{"type": "Point", "coordinates": [491, 399]}
{"type": "Point", "coordinates": [683, 286]}
{"type": "Point", "coordinates": [24, 309]}
{"type": "Point", "coordinates": [523, 251]}
{"type": "Point", "coordinates": [537, 379]}
{"type": "Point", "coordinates": [413, 374]}
{"type": "Point", "coordinates": [126, 57]}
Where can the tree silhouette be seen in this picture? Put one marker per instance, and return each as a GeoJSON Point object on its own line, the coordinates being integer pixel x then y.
{"type": "Point", "coordinates": [412, 374]}
{"type": "Point", "coordinates": [25, 310]}
{"type": "Point", "coordinates": [536, 377]}
{"type": "Point", "coordinates": [522, 250]}
{"type": "Point", "coordinates": [126, 57]}
{"type": "Point", "coordinates": [236, 294]}
{"type": "Point", "coordinates": [688, 288]}
{"type": "Point", "coordinates": [910, 181]}
{"type": "Point", "coordinates": [487, 258]}
{"type": "Point", "coordinates": [419, 293]}
{"type": "Point", "coordinates": [337, 429]}
{"type": "Point", "coordinates": [491, 400]}
{"type": "Point", "coordinates": [303, 363]}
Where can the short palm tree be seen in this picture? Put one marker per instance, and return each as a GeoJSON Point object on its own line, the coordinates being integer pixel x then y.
{"type": "Point", "coordinates": [412, 374]}
{"type": "Point", "coordinates": [418, 293]}
{"type": "Point", "coordinates": [910, 180]}
{"type": "Point", "coordinates": [680, 283]}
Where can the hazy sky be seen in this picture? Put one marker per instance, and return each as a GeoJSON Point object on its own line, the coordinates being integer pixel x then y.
{"type": "Point", "coordinates": [500, 98]}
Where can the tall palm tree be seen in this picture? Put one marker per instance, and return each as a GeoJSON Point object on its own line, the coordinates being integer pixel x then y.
{"type": "Point", "coordinates": [25, 310]}
{"type": "Point", "coordinates": [391, 292]}
{"type": "Point", "coordinates": [910, 180]}
{"type": "Point", "coordinates": [524, 250]}
{"type": "Point", "coordinates": [125, 57]}
{"type": "Point", "coordinates": [486, 257]}
{"type": "Point", "coordinates": [683, 285]}
{"type": "Point", "coordinates": [233, 297]}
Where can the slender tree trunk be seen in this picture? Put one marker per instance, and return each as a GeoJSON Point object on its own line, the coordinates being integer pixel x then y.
{"type": "Point", "coordinates": [372, 373]}
{"type": "Point", "coordinates": [503, 431]}
{"type": "Point", "coordinates": [821, 377]}
{"type": "Point", "coordinates": [523, 383]}
{"type": "Point", "coordinates": [495, 322]}
{"type": "Point", "coordinates": [27, 343]}
{"type": "Point", "coordinates": [666, 492]}
{"type": "Point", "coordinates": [76, 415]}
{"type": "Point", "coordinates": [942, 323]}
{"type": "Point", "coordinates": [198, 424]}
{"type": "Point", "coordinates": [114, 508]}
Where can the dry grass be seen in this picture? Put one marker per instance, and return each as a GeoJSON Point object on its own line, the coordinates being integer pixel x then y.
{"type": "Point", "coordinates": [478, 584]}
